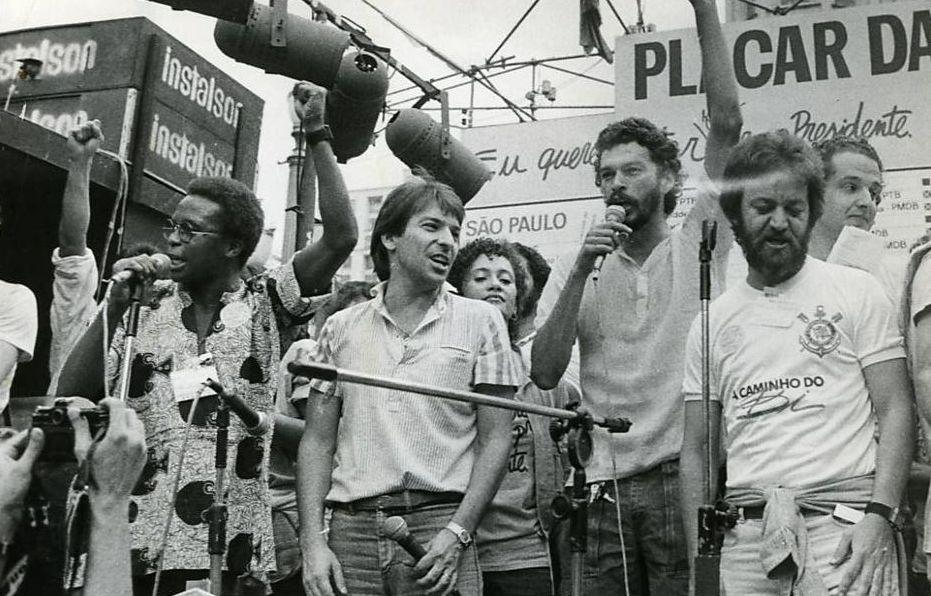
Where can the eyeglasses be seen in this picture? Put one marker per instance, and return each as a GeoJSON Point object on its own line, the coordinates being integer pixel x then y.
{"type": "Point", "coordinates": [184, 231]}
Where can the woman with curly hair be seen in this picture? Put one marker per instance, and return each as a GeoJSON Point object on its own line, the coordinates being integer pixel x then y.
{"type": "Point", "coordinates": [514, 535]}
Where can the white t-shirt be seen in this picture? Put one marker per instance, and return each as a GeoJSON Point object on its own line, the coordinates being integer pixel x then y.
{"type": "Point", "coordinates": [18, 326]}
{"type": "Point", "coordinates": [787, 366]}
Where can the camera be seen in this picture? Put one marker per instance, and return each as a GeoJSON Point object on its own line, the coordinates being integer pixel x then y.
{"type": "Point", "coordinates": [59, 434]}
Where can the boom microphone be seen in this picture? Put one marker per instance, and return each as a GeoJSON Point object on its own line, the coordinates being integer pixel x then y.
{"type": "Point", "coordinates": [162, 270]}
{"type": "Point", "coordinates": [615, 214]}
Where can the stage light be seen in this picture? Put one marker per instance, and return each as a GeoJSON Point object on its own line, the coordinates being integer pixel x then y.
{"type": "Point", "coordinates": [418, 140]}
{"type": "Point", "coordinates": [354, 103]}
{"type": "Point", "coordinates": [236, 11]}
{"type": "Point", "coordinates": [312, 51]}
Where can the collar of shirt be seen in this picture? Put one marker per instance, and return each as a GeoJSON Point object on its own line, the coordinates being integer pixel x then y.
{"type": "Point", "coordinates": [436, 310]}
{"type": "Point", "coordinates": [231, 295]}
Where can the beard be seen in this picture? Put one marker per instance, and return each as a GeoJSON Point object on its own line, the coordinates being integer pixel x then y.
{"type": "Point", "coordinates": [639, 212]}
{"type": "Point", "coordinates": [775, 265]}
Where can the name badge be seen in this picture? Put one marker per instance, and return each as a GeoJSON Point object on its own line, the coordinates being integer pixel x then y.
{"type": "Point", "coordinates": [188, 383]}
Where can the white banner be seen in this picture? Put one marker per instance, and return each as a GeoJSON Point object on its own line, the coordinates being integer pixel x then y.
{"type": "Point", "coordinates": [857, 71]}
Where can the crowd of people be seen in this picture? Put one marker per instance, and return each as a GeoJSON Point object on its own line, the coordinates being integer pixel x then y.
{"type": "Point", "coordinates": [814, 364]}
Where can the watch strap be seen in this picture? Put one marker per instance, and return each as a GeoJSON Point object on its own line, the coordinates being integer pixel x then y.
{"type": "Point", "coordinates": [465, 538]}
{"type": "Point", "coordinates": [321, 134]}
{"type": "Point", "coordinates": [884, 511]}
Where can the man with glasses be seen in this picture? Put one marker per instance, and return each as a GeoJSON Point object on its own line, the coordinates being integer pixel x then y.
{"type": "Point", "coordinates": [206, 323]}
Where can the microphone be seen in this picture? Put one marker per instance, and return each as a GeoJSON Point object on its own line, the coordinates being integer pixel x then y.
{"type": "Point", "coordinates": [395, 528]}
{"type": "Point", "coordinates": [616, 214]}
{"type": "Point", "coordinates": [162, 270]}
{"type": "Point", "coordinates": [256, 423]}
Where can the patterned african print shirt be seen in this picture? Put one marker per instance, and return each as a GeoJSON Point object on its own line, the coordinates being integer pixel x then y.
{"type": "Point", "coordinates": [244, 340]}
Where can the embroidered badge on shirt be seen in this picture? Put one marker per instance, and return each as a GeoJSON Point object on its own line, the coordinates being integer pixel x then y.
{"type": "Point", "coordinates": [820, 336]}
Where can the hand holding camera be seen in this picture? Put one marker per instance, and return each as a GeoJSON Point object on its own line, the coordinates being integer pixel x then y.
{"type": "Point", "coordinates": [18, 453]}
{"type": "Point", "coordinates": [115, 460]}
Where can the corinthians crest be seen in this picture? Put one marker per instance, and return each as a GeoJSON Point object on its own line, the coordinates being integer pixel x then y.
{"type": "Point", "coordinates": [820, 336]}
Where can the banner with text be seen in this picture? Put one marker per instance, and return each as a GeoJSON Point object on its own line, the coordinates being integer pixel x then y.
{"type": "Point", "coordinates": [856, 71]}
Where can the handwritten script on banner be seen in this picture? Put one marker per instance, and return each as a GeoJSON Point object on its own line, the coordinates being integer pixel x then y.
{"type": "Point", "coordinates": [861, 71]}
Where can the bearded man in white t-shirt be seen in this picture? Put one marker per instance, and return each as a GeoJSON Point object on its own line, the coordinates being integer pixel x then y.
{"type": "Point", "coordinates": [807, 368]}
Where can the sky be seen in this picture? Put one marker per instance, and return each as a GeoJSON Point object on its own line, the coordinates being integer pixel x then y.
{"type": "Point", "coordinates": [466, 31]}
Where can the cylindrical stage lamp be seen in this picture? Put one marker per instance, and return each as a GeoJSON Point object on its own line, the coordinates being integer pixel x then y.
{"type": "Point", "coordinates": [354, 102]}
{"type": "Point", "coordinates": [236, 11]}
{"type": "Point", "coordinates": [418, 140]}
{"type": "Point", "coordinates": [313, 51]}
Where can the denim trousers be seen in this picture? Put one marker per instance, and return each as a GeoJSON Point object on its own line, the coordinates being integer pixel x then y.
{"type": "Point", "coordinates": [741, 570]}
{"type": "Point", "coordinates": [375, 565]}
{"type": "Point", "coordinates": [654, 540]}
{"type": "Point", "coordinates": [530, 581]}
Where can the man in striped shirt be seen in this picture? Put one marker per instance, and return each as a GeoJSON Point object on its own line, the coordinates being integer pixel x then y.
{"type": "Point", "coordinates": [371, 453]}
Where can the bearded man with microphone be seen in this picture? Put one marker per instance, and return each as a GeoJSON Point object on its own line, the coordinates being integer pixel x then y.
{"type": "Point", "coordinates": [628, 296]}
{"type": "Point", "coordinates": [207, 324]}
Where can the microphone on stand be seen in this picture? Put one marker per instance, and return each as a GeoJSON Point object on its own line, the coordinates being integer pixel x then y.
{"type": "Point", "coordinates": [162, 270]}
{"type": "Point", "coordinates": [256, 423]}
{"type": "Point", "coordinates": [395, 528]}
{"type": "Point", "coordinates": [616, 214]}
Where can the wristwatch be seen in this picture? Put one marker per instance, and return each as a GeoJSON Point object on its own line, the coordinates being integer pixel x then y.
{"type": "Point", "coordinates": [321, 134]}
{"type": "Point", "coordinates": [884, 511]}
{"type": "Point", "coordinates": [465, 539]}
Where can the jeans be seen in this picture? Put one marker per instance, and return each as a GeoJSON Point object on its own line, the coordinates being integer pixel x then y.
{"type": "Point", "coordinates": [375, 565]}
{"type": "Point", "coordinates": [654, 540]}
{"type": "Point", "coordinates": [534, 581]}
{"type": "Point", "coordinates": [741, 570]}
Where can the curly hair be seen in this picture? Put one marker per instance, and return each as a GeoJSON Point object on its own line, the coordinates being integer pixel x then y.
{"type": "Point", "coordinates": [539, 271]}
{"type": "Point", "coordinates": [241, 216]}
{"type": "Point", "coordinates": [490, 247]}
{"type": "Point", "coordinates": [664, 151]}
{"type": "Point", "coordinates": [769, 152]}
{"type": "Point", "coordinates": [828, 148]}
{"type": "Point", "coordinates": [401, 205]}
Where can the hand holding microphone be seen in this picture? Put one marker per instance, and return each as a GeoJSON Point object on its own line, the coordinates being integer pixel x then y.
{"type": "Point", "coordinates": [131, 273]}
{"type": "Point", "coordinates": [616, 233]}
{"type": "Point", "coordinates": [141, 268]}
{"type": "Point", "coordinates": [396, 529]}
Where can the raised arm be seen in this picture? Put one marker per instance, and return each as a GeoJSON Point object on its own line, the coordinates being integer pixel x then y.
{"type": "Point", "coordinates": [315, 265]}
{"type": "Point", "coordinates": [558, 310]}
{"type": "Point", "coordinates": [720, 88]}
{"type": "Point", "coordinates": [83, 143]}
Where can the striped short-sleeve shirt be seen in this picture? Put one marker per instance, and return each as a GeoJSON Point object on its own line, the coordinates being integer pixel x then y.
{"type": "Point", "coordinates": [391, 440]}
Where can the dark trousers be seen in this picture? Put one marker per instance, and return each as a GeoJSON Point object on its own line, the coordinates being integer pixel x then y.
{"type": "Point", "coordinates": [534, 581]}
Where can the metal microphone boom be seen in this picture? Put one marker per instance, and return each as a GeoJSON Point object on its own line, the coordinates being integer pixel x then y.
{"type": "Point", "coordinates": [327, 372]}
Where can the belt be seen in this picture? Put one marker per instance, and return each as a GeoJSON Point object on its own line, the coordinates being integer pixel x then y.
{"type": "Point", "coordinates": [756, 512]}
{"type": "Point", "coordinates": [400, 502]}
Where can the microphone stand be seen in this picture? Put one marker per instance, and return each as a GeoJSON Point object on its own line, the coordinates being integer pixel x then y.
{"type": "Point", "coordinates": [216, 514]}
{"type": "Point", "coordinates": [573, 504]}
{"type": "Point", "coordinates": [132, 328]}
{"type": "Point", "coordinates": [713, 518]}
{"type": "Point", "coordinates": [577, 424]}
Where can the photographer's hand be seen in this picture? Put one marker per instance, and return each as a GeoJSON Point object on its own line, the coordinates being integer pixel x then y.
{"type": "Point", "coordinates": [18, 453]}
{"type": "Point", "coordinates": [114, 467]}
{"type": "Point", "coordinates": [118, 458]}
